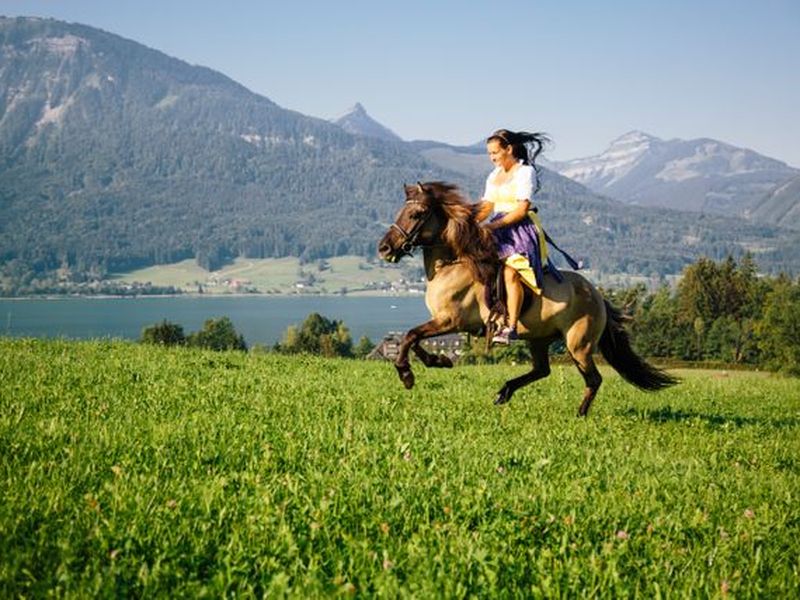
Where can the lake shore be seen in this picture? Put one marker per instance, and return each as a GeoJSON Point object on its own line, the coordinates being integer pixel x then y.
{"type": "Point", "coordinates": [354, 294]}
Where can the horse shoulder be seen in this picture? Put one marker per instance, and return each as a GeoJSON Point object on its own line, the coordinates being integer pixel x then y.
{"type": "Point", "coordinates": [453, 295]}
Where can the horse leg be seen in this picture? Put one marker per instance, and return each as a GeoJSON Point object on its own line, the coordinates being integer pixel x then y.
{"type": "Point", "coordinates": [411, 339]}
{"type": "Point", "coordinates": [541, 368]}
{"type": "Point", "coordinates": [582, 356]}
{"type": "Point", "coordinates": [431, 360]}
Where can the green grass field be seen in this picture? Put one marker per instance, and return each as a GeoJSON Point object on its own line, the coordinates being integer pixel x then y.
{"type": "Point", "coordinates": [129, 470]}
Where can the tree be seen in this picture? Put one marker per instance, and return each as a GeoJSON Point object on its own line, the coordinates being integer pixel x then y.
{"type": "Point", "coordinates": [217, 334]}
{"type": "Point", "coordinates": [363, 347]}
{"type": "Point", "coordinates": [164, 333]}
{"type": "Point", "coordinates": [710, 291]}
{"type": "Point", "coordinates": [657, 329]}
{"type": "Point", "coordinates": [318, 335]}
{"type": "Point", "coordinates": [779, 329]}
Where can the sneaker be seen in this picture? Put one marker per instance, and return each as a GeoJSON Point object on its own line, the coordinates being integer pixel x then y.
{"type": "Point", "coordinates": [505, 336]}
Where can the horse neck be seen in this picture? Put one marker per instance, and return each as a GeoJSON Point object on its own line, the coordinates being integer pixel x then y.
{"type": "Point", "coordinates": [434, 257]}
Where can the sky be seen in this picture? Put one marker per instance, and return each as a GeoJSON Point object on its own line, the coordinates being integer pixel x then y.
{"type": "Point", "coordinates": [585, 72]}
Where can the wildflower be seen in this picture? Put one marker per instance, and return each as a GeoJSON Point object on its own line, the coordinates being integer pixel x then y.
{"type": "Point", "coordinates": [349, 588]}
{"type": "Point", "coordinates": [748, 513]}
{"type": "Point", "coordinates": [387, 564]}
{"type": "Point", "coordinates": [407, 455]}
{"type": "Point", "coordinates": [117, 470]}
{"type": "Point", "coordinates": [385, 528]}
{"type": "Point", "coordinates": [724, 587]}
{"type": "Point", "coordinates": [622, 535]}
{"type": "Point", "coordinates": [501, 469]}
{"type": "Point", "coordinates": [92, 502]}
{"type": "Point", "coordinates": [172, 503]}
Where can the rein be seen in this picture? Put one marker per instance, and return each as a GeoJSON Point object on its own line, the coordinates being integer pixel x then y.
{"type": "Point", "coordinates": [409, 238]}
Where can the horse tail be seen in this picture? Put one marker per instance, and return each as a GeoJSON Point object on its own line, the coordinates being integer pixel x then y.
{"type": "Point", "coordinates": [615, 345]}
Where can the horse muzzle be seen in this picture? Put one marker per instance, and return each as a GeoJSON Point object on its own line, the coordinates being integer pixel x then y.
{"type": "Point", "coordinates": [389, 251]}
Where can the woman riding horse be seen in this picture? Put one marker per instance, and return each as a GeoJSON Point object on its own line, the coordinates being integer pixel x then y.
{"type": "Point", "coordinates": [518, 235]}
{"type": "Point", "coordinates": [461, 262]}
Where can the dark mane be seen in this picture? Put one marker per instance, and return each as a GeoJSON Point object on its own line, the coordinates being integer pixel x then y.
{"type": "Point", "coordinates": [469, 241]}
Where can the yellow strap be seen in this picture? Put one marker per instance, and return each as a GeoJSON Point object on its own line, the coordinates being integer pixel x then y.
{"type": "Point", "coordinates": [540, 234]}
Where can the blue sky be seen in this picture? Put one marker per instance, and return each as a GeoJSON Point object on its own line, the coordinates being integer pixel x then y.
{"type": "Point", "coordinates": [585, 72]}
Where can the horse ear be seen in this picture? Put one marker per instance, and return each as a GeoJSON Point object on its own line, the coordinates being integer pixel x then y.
{"type": "Point", "coordinates": [408, 189]}
{"type": "Point", "coordinates": [420, 188]}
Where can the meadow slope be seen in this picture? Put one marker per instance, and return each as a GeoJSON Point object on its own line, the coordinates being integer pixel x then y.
{"type": "Point", "coordinates": [134, 470]}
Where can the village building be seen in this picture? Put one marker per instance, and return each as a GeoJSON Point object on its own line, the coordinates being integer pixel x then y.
{"type": "Point", "coordinates": [451, 345]}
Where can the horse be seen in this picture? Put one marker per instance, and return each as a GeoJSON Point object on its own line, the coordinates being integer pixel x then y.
{"type": "Point", "coordinates": [461, 264]}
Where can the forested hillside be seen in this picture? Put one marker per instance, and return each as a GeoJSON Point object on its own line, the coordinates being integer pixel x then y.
{"type": "Point", "coordinates": [114, 156]}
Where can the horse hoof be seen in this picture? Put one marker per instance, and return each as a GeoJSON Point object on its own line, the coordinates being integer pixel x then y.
{"type": "Point", "coordinates": [406, 375]}
{"type": "Point", "coordinates": [502, 397]}
{"type": "Point", "coordinates": [445, 362]}
{"type": "Point", "coordinates": [407, 379]}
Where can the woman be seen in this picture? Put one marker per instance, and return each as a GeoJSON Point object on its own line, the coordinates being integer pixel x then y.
{"type": "Point", "coordinates": [516, 229]}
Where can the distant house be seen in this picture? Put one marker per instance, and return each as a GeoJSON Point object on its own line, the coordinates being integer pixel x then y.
{"type": "Point", "coordinates": [451, 345]}
{"type": "Point", "coordinates": [388, 348]}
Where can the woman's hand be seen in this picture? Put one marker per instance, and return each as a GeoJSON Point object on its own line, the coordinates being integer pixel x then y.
{"type": "Point", "coordinates": [516, 215]}
{"type": "Point", "coordinates": [482, 210]}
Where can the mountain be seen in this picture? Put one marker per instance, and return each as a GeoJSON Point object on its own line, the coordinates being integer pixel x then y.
{"type": "Point", "coordinates": [358, 122]}
{"type": "Point", "coordinates": [702, 175]}
{"type": "Point", "coordinates": [469, 161]}
{"type": "Point", "coordinates": [781, 206]}
{"type": "Point", "coordinates": [114, 156]}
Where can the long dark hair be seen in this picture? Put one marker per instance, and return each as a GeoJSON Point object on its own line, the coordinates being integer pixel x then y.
{"type": "Point", "coordinates": [525, 146]}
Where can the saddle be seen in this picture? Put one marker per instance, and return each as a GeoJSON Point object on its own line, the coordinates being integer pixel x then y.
{"type": "Point", "coordinates": [496, 296]}
{"type": "Point", "coordinates": [496, 293]}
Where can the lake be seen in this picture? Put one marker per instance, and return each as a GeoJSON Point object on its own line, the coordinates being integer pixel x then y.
{"type": "Point", "coordinates": [261, 319]}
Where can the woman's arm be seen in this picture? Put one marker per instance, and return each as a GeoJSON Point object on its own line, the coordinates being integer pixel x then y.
{"type": "Point", "coordinates": [482, 210]}
{"type": "Point", "coordinates": [519, 213]}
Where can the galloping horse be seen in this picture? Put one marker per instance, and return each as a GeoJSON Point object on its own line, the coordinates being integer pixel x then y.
{"type": "Point", "coordinates": [461, 262]}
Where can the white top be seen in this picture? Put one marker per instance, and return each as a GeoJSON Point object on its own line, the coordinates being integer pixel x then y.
{"type": "Point", "coordinates": [506, 195]}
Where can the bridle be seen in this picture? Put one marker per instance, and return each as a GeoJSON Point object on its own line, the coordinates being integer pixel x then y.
{"type": "Point", "coordinates": [409, 238]}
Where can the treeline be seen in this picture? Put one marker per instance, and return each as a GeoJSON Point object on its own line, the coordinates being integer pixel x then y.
{"type": "Point", "coordinates": [720, 311]}
{"type": "Point", "coordinates": [315, 335]}
{"type": "Point", "coordinates": [52, 284]}
{"type": "Point", "coordinates": [216, 334]}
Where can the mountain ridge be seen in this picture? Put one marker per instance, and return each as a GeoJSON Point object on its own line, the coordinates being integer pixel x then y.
{"type": "Point", "coordinates": [357, 121]}
{"type": "Point", "coordinates": [701, 175]}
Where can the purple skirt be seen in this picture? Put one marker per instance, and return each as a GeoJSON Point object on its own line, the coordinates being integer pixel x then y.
{"type": "Point", "coordinates": [522, 237]}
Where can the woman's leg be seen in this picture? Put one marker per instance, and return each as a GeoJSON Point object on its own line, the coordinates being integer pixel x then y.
{"type": "Point", "coordinates": [513, 295]}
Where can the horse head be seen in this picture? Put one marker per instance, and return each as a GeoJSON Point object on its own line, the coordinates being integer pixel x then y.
{"type": "Point", "coordinates": [418, 224]}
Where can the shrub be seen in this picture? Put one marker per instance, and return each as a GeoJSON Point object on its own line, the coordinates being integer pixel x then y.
{"type": "Point", "coordinates": [217, 334]}
{"type": "Point", "coordinates": [364, 347]}
{"type": "Point", "coordinates": [164, 333]}
{"type": "Point", "coordinates": [318, 335]}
